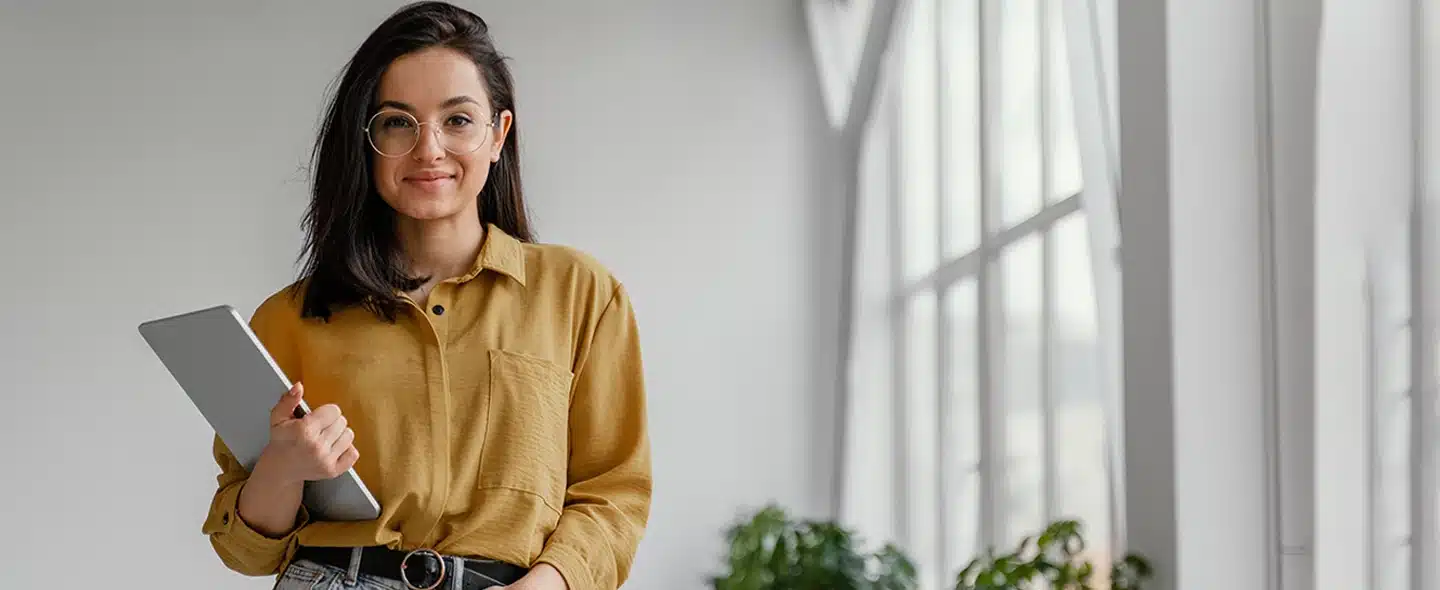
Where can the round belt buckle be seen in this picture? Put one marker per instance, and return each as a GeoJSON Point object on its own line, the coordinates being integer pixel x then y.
{"type": "Point", "coordinates": [434, 582]}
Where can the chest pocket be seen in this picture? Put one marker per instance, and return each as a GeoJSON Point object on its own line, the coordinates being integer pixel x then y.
{"type": "Point", "coordinates": [528, 426]}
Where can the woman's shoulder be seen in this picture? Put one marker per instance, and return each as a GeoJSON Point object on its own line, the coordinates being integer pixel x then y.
{"type": "Point", "coordinates": [283, 305]}
{"type": "Point", "coordinates": [568, 266]}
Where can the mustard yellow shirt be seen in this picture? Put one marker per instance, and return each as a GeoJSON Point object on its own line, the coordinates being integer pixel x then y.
{"type": "Point", "coordinates": [505, 420]}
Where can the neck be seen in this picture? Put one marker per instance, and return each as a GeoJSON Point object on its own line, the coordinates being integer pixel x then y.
{"type": "Point", "coordinates": [441, 248]}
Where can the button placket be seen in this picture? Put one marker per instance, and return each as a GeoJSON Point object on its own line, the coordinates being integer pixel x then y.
{"type": "Point", "coordinates": [438, 383]}
{"type": "Point", "coordinates": [437, 308]}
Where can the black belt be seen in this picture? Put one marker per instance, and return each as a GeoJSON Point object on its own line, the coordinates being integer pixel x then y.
{"type": "Point", "coordinates": [416, 569]}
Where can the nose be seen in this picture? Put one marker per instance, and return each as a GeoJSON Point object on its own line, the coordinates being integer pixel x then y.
{"type": "Point", "coordinates": [428, 146]}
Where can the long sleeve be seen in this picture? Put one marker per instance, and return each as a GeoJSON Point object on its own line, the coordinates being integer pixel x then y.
{"type": "Point", "coordinates": [607, 501]}
{"type": "Point", "coordinates": [240, 547]}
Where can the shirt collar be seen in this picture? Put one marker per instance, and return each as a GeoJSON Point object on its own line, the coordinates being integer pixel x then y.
{"type": "Point", "coordinates": [501, 253]}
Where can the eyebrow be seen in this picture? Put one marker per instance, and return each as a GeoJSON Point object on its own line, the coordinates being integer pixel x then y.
{"type": "Point", "coordinates": [455, 101]}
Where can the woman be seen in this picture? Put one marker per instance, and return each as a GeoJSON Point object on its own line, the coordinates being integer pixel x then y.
{"type": "Point", "coordinates": [486, 388]}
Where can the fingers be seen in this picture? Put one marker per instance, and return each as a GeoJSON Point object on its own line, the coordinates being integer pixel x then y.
{"type": "Point", "coordinates": [342, 445]}
{"type": "Point", "coordinates": [321, 418]}
{"type": "Point", "coordinates": [333, 432]}
{"type": "Point", "coordinates": [285, 408]}
{"type": "Point", "coordinates": [346, 461]}
{"type": "Point", "coordinates": [326, 442]}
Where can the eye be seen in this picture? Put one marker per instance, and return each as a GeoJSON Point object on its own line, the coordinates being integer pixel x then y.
{"type": "Point", "coordinates": [395, 122]}
{"type": "Point", "coordinates": [459, 121]}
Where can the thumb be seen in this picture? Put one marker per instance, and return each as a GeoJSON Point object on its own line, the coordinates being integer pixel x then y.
{"type": "Point", "coordinates": [289, 404]}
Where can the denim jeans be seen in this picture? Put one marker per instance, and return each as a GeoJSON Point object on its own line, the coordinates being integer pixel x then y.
{"type": "Point", "coordinates": [308, 575]}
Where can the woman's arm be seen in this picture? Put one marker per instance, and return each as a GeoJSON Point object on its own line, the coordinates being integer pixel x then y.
{"type": "Point", "coordinates": [315, 447]}
{"type": "Point", "coordinates": [254, 517]}
{"type": "Point", "coordinates": [269, 503]}
{"type": "Point", "coordinates": [252, 544]}
{"type": "Point", "coordinates": [607, 503]}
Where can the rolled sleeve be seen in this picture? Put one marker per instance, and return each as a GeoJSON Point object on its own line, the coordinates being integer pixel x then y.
{"type": "Point", "coordinates": [607, 501]}
{"type": "Point", "coordinates": [240, 547]}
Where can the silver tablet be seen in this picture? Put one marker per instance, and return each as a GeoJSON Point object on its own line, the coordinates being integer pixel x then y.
{"type": "Point", "coordinates": [233, 381]}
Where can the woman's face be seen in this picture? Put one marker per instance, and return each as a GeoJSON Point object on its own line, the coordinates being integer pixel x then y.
{"type": "Point", "coordinates": [435, 135]}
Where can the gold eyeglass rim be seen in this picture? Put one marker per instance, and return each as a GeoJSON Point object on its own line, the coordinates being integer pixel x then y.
{"type": "Point", "coordinates": [365, 130]}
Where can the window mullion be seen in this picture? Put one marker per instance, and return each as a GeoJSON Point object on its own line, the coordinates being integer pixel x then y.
{"type": "Point", "coordinates": [944, 348]}
{"type": "Point", "coordinates": [957, 269]}
{"type": "Point", "coordinates": [989, 352]}
{"type": "Point", "coordinates": [1047, 154]}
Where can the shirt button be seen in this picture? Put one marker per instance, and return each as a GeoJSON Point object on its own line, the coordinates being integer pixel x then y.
{"type": "Point", "coordinates": [438, 310]}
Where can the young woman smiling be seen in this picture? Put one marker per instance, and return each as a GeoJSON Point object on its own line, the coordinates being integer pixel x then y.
{"type": "Point", "coordinates": [487, 388]}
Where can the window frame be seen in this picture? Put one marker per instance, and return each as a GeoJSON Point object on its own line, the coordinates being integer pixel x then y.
{"type": "Point", "coordinates": [995, 238]}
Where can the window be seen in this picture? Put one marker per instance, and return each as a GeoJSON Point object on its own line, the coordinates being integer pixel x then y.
{"type": "Point", "coordinates": [1000, 417]}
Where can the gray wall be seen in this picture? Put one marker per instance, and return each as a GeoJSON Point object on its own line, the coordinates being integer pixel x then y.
{"type": "Point", "coordinates": [152, 162]}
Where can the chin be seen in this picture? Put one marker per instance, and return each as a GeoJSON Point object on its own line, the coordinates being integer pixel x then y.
{"type": "Point", "coordinates": [425, 207]}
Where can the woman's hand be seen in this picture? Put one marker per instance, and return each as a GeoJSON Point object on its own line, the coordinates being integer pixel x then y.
{"type": "Point", "coordinates": [541, 577]}
{"type": "Point", "coordinates": [316, 447]}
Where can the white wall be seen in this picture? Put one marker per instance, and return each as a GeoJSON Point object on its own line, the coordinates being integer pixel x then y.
{"type": "Point", "coordinates": [677, 141]}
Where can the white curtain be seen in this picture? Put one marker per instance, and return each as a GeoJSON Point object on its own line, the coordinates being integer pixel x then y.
{"type": "Point", "coordinates": [1375, 444]}
{"type": "Point", "coordinates": [910, 460]}
{"type": "Point", "coordinates": [1376, 248]}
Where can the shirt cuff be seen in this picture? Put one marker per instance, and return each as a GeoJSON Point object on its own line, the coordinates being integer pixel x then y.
{"type": "Point", "coordinates": [571, 565]}
{"type": "Point", "coordinates": [246, 539]}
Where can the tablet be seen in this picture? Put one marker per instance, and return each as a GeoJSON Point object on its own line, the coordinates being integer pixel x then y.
{"type": "Point", "coordinates": [230, 377]}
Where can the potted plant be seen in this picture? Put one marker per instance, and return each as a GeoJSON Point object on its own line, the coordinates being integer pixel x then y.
{"type": "Point", "coordinates": [1049, 560]}
{"type": "Point", "coordinates": [771, 551]}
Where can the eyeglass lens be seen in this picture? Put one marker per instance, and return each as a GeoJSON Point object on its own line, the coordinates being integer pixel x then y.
{"type": "Point", "coordinates": [395, 133]}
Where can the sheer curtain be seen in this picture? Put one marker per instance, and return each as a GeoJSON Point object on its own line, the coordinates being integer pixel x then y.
{"type": "Point", "coordinates": [982, 371]}
{"type": "Point", "coordinates": [1376, 504]}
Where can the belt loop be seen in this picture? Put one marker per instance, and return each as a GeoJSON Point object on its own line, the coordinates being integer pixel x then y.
{"type": "Point", "coordinates": [457, 580]}
{"type": "Point", "coordinates": [352, 575]}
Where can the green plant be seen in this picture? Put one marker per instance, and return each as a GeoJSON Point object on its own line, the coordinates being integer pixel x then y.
{"type": "Point", "coordinates": [1049, 560]}
{"type": "Point", "coordinates": [768, 550]}
{"type": "Point", "coordinates": [771, 551]}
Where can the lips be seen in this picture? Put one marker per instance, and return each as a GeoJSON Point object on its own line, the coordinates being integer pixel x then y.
{"type": "Point", "coordinates": [431, 181]}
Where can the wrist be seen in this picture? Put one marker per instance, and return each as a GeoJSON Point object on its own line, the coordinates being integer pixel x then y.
{"type": "Point", "coordinates": [545, 577]}
{"type": "Point", "coordinates": [268, 503]}
{"type": "Point", "coordinates": [270, 474]}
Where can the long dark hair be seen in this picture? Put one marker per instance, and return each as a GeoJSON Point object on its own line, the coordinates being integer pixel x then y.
{"type": "Point", "coordinates": [352, 254]}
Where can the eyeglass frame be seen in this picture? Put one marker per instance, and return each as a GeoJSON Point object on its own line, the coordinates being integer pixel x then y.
{"type": "Point", "coordinates": [365, 129]}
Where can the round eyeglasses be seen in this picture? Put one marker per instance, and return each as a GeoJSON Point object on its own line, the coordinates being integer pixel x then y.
{"type": "Point", "coordinates": [396, 133]}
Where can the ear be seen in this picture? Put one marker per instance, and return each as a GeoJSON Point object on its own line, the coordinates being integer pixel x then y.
{"type": "Point", "coordinates": [502, 131]}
